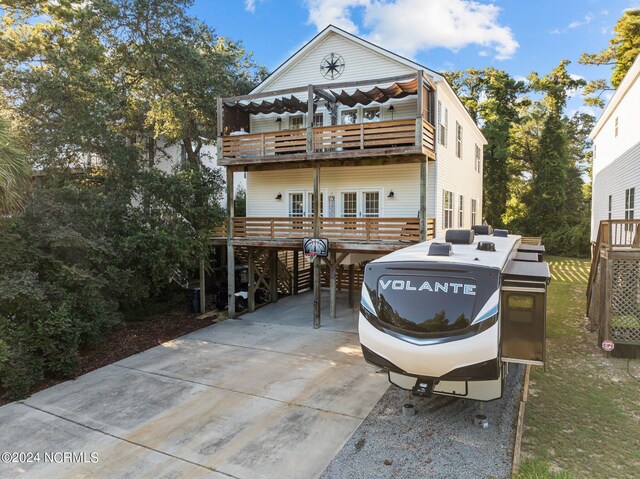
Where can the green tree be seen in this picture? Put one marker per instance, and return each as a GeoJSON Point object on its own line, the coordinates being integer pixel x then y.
{"type": "Point", "coordinates": [622, 51]}
{"type": "Point", "coordinates": [14, 171]}
{"type": "Point", "coordinates": [552, 177]}
{"type": "Point", "coordinates": [111, 77]}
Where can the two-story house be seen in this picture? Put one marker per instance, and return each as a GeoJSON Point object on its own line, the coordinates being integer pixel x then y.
{"type": "Point", "coordinates": [616, 154]}
{"type": "Point", "coordinates": [350, 142]}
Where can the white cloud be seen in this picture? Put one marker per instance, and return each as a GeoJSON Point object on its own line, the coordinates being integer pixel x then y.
{"type": "Point", "coordinates": [250, 5]}
{"type": "Point", "coordinates": [408, 26]}
{"type": "Point", "coordinates": [336, 12]}
{"type": "Point", "coordinates": [588, 18]}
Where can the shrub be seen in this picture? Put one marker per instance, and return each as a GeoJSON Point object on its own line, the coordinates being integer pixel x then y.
{"type": "Point", "coordinates": [77, 256]}
{"type": "Point", "coordinates": [573, 241]}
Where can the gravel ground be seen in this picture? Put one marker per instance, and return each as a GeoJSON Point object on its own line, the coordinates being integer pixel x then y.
{"type": "Point", "coordinates": [440, 441]}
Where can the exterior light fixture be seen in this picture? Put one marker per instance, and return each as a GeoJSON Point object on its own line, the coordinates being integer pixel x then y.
{"type": "Point", "coordinates": [391, 195]}
{"type": "Point", "coordinates": [391, 109]}
{"type": "Point", "coordinates": [279, 122]}
{"type": "Point", "coordinates": [279, 196]}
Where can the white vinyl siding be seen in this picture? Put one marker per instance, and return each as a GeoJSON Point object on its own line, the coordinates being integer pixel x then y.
{"type": "Point", "coordinates": [403, 180]}
{"type": "Point", "coordinates": [361, 63]}
{"type": "Point", "coordinates": [609, 186]}
{"type": "Point", "coordinates": [453, 173]}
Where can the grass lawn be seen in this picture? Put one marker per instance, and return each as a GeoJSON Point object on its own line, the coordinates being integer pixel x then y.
{"type": "Point", "coordinates": [582, 419]}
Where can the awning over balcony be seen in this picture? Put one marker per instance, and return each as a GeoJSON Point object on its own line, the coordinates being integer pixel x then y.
{"type": "Point", "coordinates": [377, 94]}
{"type": "Point", "coordinates": [279, 105]}
{"type": "Point", "coordinates": [293, 104]}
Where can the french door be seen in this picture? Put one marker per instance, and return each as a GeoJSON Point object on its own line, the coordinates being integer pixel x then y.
{"type": "Point", "coordinates": [361, 203]}
{"type": "Point", "coordinates": [301, 203]}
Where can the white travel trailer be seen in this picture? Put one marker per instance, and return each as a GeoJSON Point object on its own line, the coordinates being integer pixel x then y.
{"type": "Point", "coordinates": [444, 316]}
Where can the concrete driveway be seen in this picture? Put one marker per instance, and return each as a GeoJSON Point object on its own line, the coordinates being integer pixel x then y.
{"type": "Point", "coordinates": [264, 396]}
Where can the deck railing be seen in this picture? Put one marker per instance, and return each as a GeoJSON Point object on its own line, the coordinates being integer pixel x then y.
{"type": "Point", "coordinates": [346, 229]}
{"type": "Point", "coordinates": [265, 144]}
{"type": "Point", "coordinates": [360, 136]}
{"type": "Point", "coordinates": [619, 234]}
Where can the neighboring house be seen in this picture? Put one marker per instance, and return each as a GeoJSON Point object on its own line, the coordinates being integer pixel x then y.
{"type": "Point", "coordinates": [169, 157]}
{"type": "Point", "coordinates": [386, 143]}
{"type": "Point", "coordinates": [616, 155]}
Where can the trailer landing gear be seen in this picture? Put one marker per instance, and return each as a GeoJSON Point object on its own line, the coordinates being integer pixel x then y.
{"type": "Point", "coordinates": [480, 420]}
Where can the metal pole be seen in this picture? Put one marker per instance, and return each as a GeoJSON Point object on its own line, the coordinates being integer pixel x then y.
{"type": "Point", "coordinates": [203, 302]}
{"type": "Point", "coordinates": [231, 266]}
{"type": "Point", "coordinates": [317, 277]}
{"type": "Point", "coordinates": [423, 201]}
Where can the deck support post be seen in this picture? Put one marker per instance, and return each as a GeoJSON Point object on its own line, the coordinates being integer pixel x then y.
{"type": "Point", "coordinates": [251, 287]}
{"type": "Point", "coordinates": [273, 275]}
{"type": "Point", "coordinates": [231, 267]}
{"type": "Point", "coordinates": [608, 287]}
{"type": "Point", "coordinates": [203, 298]}
{"type": "Point", "coordinates": [423, 201]}
{"type": "Point", "coordinates": [317, 276]}
{"type": "Point", "coordinates": [296, 272]}
{"type": "Point", "coordinates": [332, 285]}
{"type": "Point", "coordinates": [351, 286]}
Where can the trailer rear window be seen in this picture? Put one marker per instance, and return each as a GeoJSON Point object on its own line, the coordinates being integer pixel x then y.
{"type": "Point", "coordinates": [426, 304]}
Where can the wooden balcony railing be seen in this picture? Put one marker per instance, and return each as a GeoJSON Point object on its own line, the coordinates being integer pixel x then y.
{"type": "Point", "coordinates": [360, 136]}
{"type": "Point", "coordinates": [345, 229]}
{"type": "Point", "coordinates": [264, 144]}
{"type": "Point", "coordinates": [365, 135]}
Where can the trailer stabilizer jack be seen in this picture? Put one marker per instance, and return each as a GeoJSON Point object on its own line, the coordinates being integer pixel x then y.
{"type": "Point", "coordinates": [423, 387]}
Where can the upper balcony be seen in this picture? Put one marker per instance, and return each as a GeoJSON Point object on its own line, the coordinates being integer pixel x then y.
{"type": "Point", "coordinates": [388, 118]}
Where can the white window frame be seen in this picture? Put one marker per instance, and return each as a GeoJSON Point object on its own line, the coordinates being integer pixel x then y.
{"type": "Point", "coordinates": [443, 124]}
{"type": "Point", "coordinates": [360, 192]}
{"type": "Point", "coordinates": [474, 211]}
{"type": "Point", "coordinates": [610, 204]}
{"type": "Point", "coordinates": [460, 211]}
{"type": "Point", "coordinates": [316, 114]}
{"type": "Point", "coordinates": [615, 127]}
{"type": "Point", "coordinates": [295, 117]}
{"type": "Point", "coordinates": [478, 164]}
{"type": "Point", "coordinates": [447, 213]}
{"type": "Point", "coordinates": [306, 202]}
{"type": "Point", "coordinates": [359, 109]}
{"type": "Point", "coordinates": [458, 140]}
{"type": "Point", "coordinates": [629, 203]}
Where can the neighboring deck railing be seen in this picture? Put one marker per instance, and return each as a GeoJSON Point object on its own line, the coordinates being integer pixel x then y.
{"type": "Point", "coordinates": [619, 234]}
{"type": "Point", "coordinates": [345, 229]}
{"type": "Point", "coordinates": [611, 234]}
{"type": "Point", "coordinates": [360, 136]}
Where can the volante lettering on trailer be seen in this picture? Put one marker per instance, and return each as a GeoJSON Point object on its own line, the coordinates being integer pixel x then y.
{"type": "Point", "coordinates": [430, 286]}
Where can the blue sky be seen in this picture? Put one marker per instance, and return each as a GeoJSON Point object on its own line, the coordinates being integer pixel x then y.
{"type": "Point", "coordinates": [518, 36]}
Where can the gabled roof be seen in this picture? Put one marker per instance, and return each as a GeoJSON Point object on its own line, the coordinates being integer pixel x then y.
{"type": "Point", "coordinates": [627, 83]}
{"type": "Point", "coordinates": [293, 59]}
{"type": "Point", "coordinates": [332, 29]}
